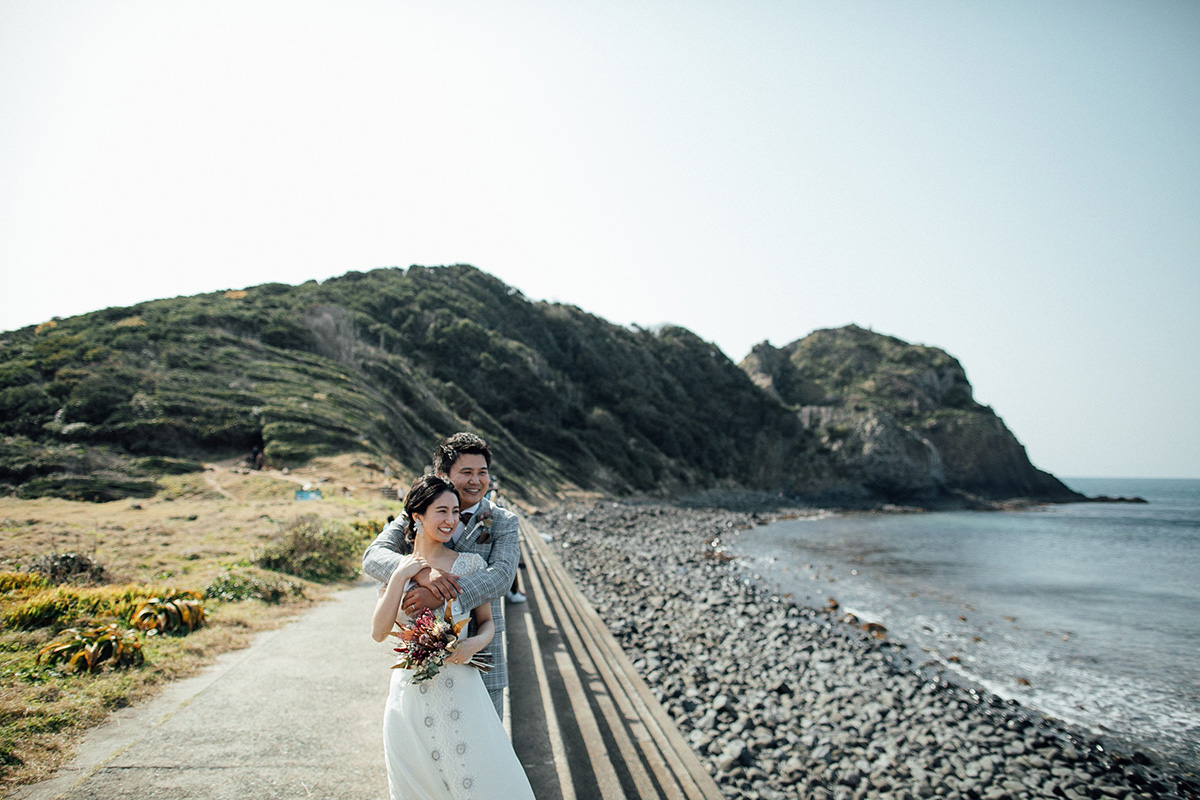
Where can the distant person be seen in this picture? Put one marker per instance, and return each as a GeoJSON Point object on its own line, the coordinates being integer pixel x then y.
{"type": "Point", "coordinates": [256, 457]}
{"type": "Point", "coordinates": [486, 529]}
{"type": "Point", "coordinates": [515, 595]}
{"type": "Point", "coordinates": [441, 736]}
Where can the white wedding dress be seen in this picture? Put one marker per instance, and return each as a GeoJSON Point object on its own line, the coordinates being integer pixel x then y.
{"type": "Point", "coordinates": [442, 737]}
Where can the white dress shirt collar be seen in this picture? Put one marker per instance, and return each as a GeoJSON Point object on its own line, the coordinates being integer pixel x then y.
{"type": "Point", "coordinates": [460, 528]}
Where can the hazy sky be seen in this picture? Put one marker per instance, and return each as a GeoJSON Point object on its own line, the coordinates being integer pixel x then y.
{"type": "Point", "coordinates": [1017, 183]}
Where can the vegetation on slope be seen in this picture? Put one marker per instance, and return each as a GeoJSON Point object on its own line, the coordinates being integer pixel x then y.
{"type": "Point", "coordinates": [387, 362]}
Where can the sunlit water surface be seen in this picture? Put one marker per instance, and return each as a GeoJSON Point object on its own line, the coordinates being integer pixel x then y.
{"type": "Point", "coordinates": [1095, 605]}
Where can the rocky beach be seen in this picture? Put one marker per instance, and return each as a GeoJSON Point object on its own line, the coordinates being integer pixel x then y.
{"type": "Point", "coordinates": [782, 701]}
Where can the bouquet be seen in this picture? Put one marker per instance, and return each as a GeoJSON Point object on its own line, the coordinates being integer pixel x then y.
{"type": "Point", "coordinates": [427, 641]}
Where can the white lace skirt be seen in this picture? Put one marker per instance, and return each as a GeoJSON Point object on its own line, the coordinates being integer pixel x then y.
{"type": "Point", "coordinates": [443, 740]}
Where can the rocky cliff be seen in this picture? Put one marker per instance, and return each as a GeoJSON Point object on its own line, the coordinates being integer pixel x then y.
{"type": "Point", "coordinates": [898, 421]}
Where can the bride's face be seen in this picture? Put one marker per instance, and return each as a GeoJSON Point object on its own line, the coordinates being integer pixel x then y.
{"type": "Point", "coordinates": [440, 518]}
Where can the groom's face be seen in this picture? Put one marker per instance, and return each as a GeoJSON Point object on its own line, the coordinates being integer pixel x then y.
{"type": "Point", "coordinates": [469, 474]}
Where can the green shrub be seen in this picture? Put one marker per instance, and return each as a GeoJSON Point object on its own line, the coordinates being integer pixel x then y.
{"type": "Point", "coordinates": [90, 488]}
{"type": "Point", "coordinates": [102, 394]}
{"type": "Point", "coordinates": [162, 465]}
{"type": "Point", "coordinates": [66, 604]}
{"type": "Point", "coordinates": [367, 529]}
{"type": "Point", "coordinates": [234, 588]}
{"type": "Point", "coordinates": [282, 454]}
{"type": "Point", "coordinates": [44, 608]}
{"type": "Point", "coordinates": [315, 550]}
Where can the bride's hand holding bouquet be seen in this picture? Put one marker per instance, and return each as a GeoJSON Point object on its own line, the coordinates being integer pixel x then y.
{"type": "Point", "coordinates": [429, 641]}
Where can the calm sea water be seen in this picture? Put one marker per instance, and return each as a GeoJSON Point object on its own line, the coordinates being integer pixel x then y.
{"type": "Point", "coordinates": [1095, 605]}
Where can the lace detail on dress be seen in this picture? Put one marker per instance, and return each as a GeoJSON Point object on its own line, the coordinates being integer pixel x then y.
{"type": "Point", "coordinates": [465, 564]}
{"type": "Point", "coordinates": [448, 747]}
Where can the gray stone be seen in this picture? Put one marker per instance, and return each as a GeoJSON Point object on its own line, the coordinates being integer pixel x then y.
{"type": "Point", "coordinates": [725, 762]}
{"type": "Point", "coordinates": [738, 749]}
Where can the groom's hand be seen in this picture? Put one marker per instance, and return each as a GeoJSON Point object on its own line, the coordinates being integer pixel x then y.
{"type": "Point", "coordinates": [417, 599]}
{"type": "Point", "coordinates": [444, 585]}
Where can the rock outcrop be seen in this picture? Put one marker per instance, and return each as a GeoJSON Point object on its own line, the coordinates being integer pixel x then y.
{"type": "Point", "coordinates": [899, 421]}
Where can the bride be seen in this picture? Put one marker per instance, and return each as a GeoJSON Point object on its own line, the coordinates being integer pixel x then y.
{"type": "Point", "coordinates": [442, 737]}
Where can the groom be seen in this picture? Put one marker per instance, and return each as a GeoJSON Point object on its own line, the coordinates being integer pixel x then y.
{"type": "Point", "coordinates": [486, 529]}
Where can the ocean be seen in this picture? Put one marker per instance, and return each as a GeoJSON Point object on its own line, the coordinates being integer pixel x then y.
{"type": "Point", "coordinates": [1086, 612]}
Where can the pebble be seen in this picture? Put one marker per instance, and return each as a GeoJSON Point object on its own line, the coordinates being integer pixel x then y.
{"type": "Point", "coordinates": [780, 700]}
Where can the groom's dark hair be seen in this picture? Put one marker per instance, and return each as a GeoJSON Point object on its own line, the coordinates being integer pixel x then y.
{"type": "Point", "coordinates": [458, 445]}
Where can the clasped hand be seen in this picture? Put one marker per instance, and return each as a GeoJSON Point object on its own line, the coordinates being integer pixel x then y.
{"type": "Point", "coordinates": [433, 588]}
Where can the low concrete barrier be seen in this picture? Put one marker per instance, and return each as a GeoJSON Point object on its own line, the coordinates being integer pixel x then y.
{"type": "Point", "coordinates": [604, 735]}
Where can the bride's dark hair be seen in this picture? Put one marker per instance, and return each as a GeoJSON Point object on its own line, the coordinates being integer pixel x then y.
{"type": "Point", "coordinates": [420, 496]}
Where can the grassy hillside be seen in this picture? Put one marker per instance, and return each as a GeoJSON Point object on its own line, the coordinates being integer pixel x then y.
{"type": "Point", "coordinates": [385, 362]}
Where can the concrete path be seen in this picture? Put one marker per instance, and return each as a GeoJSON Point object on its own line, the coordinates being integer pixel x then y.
{"type": "Point", "coordinates": [297, 714]}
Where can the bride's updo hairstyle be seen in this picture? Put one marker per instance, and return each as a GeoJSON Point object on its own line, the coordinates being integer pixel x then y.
{"type": "Point", "coordinates": [420, 497]}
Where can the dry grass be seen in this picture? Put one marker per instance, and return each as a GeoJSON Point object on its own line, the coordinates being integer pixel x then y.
{"type": "Point", "coordinates": [183, 537]}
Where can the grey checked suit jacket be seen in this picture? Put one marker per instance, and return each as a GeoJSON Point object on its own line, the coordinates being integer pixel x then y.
{"type": "Point", "coordinates": [501, 551]}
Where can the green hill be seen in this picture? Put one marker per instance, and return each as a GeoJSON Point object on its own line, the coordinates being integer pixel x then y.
{"type": "Point", "coordinates": [389, 361]}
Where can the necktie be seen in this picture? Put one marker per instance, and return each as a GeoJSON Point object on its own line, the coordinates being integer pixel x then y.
{"type": "Point", "coordinates": [465, 517]}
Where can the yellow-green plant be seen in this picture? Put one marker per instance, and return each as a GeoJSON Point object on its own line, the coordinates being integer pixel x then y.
{"type": "Point", "coordinates": [21, 581]}
{"type": "Point", "coordinates": [85, 649]}
{"type": "Point", "coordinates": [43, 608]}
{"type": "Point", "coordinates": [62, 605]}
{"type": "Point", "coordinates": [230, 587]}
{"type": "Point", "coordinates": [172, 612]}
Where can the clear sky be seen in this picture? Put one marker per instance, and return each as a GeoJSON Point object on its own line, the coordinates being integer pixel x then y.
{"type": "Point", "coordinates": [1017, 183]}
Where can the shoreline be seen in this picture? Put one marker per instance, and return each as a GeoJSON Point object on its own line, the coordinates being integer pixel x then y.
{"type": "Point", "coordinates": [1135, 695]}
{"type": "Point", "coordinates": [775, 696]}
